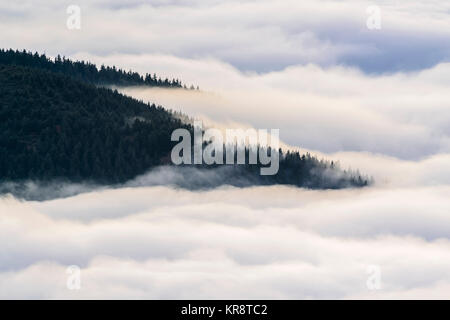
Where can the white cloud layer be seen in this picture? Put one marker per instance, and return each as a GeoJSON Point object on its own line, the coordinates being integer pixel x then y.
{"type": "Point", "coordinates": [265, 242]}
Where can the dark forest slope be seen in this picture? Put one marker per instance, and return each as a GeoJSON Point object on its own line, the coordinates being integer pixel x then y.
{"type": "Point", "coordinates": [56, 127]}
{"type": "Point", "coordinates": [85, 71]}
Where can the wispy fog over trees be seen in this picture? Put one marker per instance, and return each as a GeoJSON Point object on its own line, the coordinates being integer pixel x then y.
{"type": "Point", "coordinates": [56, 126]}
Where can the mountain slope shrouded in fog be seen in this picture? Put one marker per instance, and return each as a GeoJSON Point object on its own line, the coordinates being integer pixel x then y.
{"type": "Point", "coordinates": [56, 127]}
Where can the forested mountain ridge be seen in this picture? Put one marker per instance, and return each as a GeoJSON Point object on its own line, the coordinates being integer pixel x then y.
{"type": "Point", "coordinates": [55, 127]}
{"type": "Point", "coordinates": [86, 71]}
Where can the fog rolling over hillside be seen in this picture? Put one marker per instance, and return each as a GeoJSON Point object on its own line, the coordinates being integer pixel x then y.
{"type": "Point", "coordinates": [59, 128]}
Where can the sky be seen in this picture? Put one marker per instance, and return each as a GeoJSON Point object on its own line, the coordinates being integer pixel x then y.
{"type": "Point", "coordinates": [253, 36]}
{"type": "Point", "coordinates": [376, 100]}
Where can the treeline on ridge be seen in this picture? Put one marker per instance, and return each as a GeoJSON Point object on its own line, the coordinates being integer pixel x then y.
{"type": "Point", "coordinates": [86, 71]}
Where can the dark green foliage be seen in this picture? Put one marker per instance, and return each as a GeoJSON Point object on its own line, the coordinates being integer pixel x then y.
{"type": "Point", "coordinates": [85, 71]}
{"type": "Point", "coordinates": [54, 126]}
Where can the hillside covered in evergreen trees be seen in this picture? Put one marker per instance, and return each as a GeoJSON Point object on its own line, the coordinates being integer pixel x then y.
{"type": "Point", "coordinates": [54, 126]}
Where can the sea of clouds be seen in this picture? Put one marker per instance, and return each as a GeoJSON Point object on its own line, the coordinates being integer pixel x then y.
{"type": "Point", "coordinates": [261, 242]}
{"type": "Point", "coordinates": [377, 102]}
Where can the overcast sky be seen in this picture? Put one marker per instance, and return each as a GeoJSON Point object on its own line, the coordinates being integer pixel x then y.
{"type": "Point", "coordinates": [256, 36]}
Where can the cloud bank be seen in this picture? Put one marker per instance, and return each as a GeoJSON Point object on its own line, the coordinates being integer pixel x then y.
{"type": "Point", "coordinates": [158, 242]}
{"type": "Point", "coordinates": [257, 36]}
{"type": "Point", "coordinates": [265, 242]}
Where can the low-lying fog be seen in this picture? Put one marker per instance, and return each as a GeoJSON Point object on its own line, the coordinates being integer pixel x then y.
{"type": "Point", "coordinates": [147, 239]}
